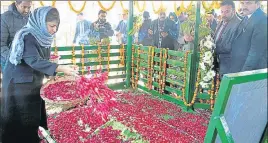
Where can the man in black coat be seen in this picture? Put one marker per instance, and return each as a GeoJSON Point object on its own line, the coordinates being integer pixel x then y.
{"type": "Point", "coordinates": [101, 28]}
{"type": "Point", "coordinates": [12, 21]}
{"type": "Point", "coordinates": [223, 33]}
{"type": "Point", "coordinates": [143, 37]}
{"type": "Point", "coordinates": [163, 31]}
{"type": "Point", "coordinates": [249, 43]}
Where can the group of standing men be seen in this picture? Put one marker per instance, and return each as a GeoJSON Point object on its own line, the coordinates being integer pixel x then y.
{"type": "Point", "coordinates": [100, 29]}
{"type": "Point", "coordinates": [161, 32]}
{"type": "Point", "coordinates": [241, 44]}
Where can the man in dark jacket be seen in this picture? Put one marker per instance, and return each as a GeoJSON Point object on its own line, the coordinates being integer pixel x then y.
{"type": "Point", "coordinates": [12, 21]}
{"type": "Point", "coordinates": [143, 37]}
{"type": "Point", "coordinates": [101, 28]}
{"type": "Point", "coordinates": [249, 44]}
{"type": "Point", "coordinates": [172, 16]}
{"type": "Point", "coordinates": [164, 32]}
{"type": "Point", "coordinates": [223, 32]}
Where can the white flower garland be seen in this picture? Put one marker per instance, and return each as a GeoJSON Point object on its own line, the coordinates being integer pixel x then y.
{"type": "Point", "coordinates": [207, 47]}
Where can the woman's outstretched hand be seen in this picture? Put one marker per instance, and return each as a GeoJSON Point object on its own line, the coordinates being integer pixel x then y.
{"type": "Point", "coordinates": [71, 70]}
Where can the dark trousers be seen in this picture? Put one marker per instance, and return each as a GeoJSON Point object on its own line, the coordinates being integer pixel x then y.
{"type": "Point", "coordinates": [20, 135]}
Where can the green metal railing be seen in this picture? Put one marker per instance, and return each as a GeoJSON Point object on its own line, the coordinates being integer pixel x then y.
{"type": "Point", "coordinates": [177, 85]}
{"type": "Point", "coordinates": [186, 82]}
{"type": "Point", "coordinates": [218, 124]}
{"type": "Point", "coordinates": [92, 57]}
{"type": "Point", "coordinates": [177, 64]}
{"type": "Point", "coordinates": [177, 78]}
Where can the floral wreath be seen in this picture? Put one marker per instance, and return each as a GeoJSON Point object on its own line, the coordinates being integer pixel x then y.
{"type": "Point", "coordinates": [207, 47]}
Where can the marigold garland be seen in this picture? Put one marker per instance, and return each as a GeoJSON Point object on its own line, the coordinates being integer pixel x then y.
{"type": "Point", "coordinates": [206, 7]}
{"type": "Point", "coordinates": [77, 11]}
{"type": "Point", "coordinates": [55, 48]}
{"type": "Point", "coordinates": [83, 59]}
{"type": "Point", "coordinates": [122, 54]}
{"type": "Point", "coordinates": [138, 6]}
{"type": "Point", "coordinates": [122, 6]}
{"type": "Point", "coordinates": [53, 3]}
{"type": "Point", "coordinates": [217, 5]}
{"type": "Point", "coordinates": [196, 83]}
{"type": "Point", "coordinates": [161, 8]}
{"type": "Point", "coordinates": [73, 55]}
{"type": "Point", "coordinates": [132, 67]}
{"type": "Point", "coordinates": [178, 12]}
{"type": "Point", "coordinates": [185, 72]}
{"type": "Point", "coordinates": [106, 9]}
{"type": "Point", "coordinates": [182, 7]}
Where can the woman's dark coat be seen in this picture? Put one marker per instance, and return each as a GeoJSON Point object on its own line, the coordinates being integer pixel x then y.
{"type": "Point", "coordinates": [22, 109]}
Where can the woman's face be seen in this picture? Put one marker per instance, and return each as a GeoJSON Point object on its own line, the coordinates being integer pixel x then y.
{"type": "Point", "coordinates": [52, 27]}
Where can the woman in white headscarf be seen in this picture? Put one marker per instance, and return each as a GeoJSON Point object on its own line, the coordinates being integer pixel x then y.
{"type": "Point", "coordinates": [22, 109]}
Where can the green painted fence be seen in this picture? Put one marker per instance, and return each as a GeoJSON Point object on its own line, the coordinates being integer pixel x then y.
{"type": "Point", "coordinates": [147, 63]}
{"type": "Point", "coordinates": [94, 56]}
{"type": "Point", "coordinates": [177, 73]}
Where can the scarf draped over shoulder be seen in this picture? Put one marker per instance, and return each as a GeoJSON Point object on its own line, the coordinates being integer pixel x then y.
{"type": "Point", "coordinates": [37, 27]}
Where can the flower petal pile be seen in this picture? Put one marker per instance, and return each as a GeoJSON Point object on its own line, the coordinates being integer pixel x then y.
{"type": "Point", "coordinates": [101, 98]}
{"type": "Point", "coordinates": [61, 91]}
{"type": "Point", "coordinates": [135, 118]}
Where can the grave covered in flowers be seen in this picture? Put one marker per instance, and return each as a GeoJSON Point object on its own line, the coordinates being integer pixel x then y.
{"type": "Point", "coordinates": [121, 116]}
{"type": "Point", "coordinates": [162, 105]}
{"type": "Point", "coordinates": [171, 98]}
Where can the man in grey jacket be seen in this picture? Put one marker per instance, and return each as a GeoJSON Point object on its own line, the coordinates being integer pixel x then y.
{"type": "Point", "coordinates": [223, 33]}
{"type": "Point", "coordinates": [249, 44]}
{"type": "Point", "coordinates": [12, 21]}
